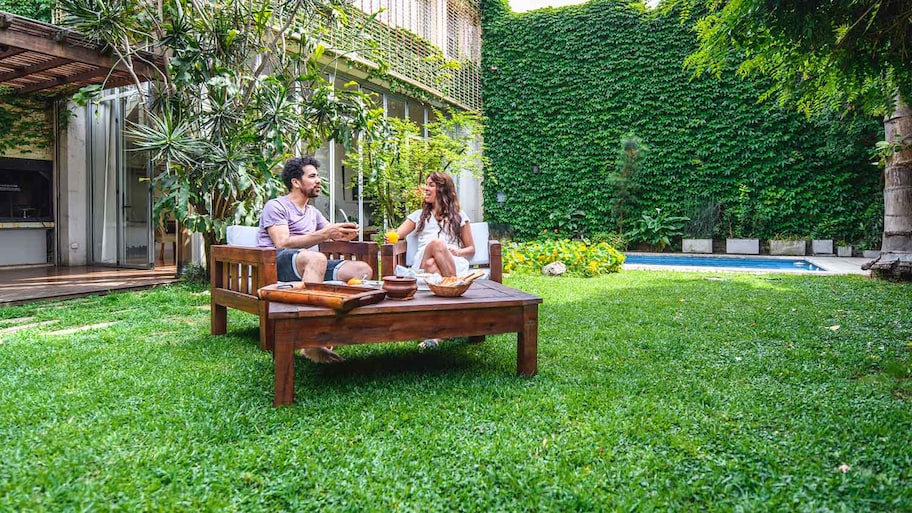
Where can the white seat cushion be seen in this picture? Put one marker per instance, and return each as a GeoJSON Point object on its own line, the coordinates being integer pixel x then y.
{"type": "Point", "coordinates": [244, 236]}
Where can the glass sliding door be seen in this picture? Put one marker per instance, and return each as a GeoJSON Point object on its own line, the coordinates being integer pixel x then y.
{"type": "Point", "coordinates": [137, 250]}
{"type": "Point", "coordinates": [120, 195]}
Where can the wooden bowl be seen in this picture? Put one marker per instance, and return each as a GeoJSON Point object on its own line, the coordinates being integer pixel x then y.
{"type": "Point", "coordinates": [400, 287]}
{"type": "Point", "coordinates": [449, 290]}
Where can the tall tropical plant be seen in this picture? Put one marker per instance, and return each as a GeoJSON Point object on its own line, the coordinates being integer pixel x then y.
{"type": "Point", "coordinates": [242, 89]}
{"type": "Point", "coordinates": [845, 56]}
{"type": "Point", "coordinates": [630, 154]}
{"type": "Point", "coordinates": [396, 166]}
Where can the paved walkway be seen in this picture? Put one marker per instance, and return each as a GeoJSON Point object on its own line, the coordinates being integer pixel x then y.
{"type": "Point", "coordinates": [832, 265]}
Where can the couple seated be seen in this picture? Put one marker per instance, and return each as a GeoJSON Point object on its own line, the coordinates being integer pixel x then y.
{"type": "Point", "coordinates": [294, 227]}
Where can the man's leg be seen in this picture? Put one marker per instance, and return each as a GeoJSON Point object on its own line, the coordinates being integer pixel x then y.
{"type": "Point", "coordinates": [348, 269]}
{"type": "Point", "coordinates": [310, 265]}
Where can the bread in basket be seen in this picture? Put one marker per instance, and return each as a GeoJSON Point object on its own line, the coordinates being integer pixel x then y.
{"type": "Point", "coordinates": [454, 286]}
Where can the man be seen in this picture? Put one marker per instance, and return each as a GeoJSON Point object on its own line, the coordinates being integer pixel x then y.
{"type": "Point", "coordinates": [293, 226]}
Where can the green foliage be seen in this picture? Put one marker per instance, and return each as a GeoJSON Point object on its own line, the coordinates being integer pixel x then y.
{"type": "Point", "coordinates": [656, 391]}
{"type": "Point", "coordinates": [743, 217]}
{"type": "Point", "coordinates": [581, 259]}
{"type": "Point", "coordinates": [624, 187]}
{"type": "Point", "coordinates": [553, 123]}
{"type": "Point", "coordinates": [396, 165]}
{"type": "Point", "coordinates": [35, 9]}
{"type": "Point", "coordinates": [243, 91]}
{"type": "Point", "coordinates": [195, 274]}
{"type": "Point", "coordinates": [566, 224]}
{"type": "Point", "coordinates": [26, 123]}
{"type": "Point", "coordinates": [835, 55]}
{"type": "Point", "coordinates": [703, 214]}
{"type": "Point", "coordinates": [614, 239]}
{"type": "Point", "coordinates": [658, 229]}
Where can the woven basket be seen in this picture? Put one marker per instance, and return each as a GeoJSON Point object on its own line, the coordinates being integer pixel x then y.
{"type": "Point", "coordinates": [451, 291]}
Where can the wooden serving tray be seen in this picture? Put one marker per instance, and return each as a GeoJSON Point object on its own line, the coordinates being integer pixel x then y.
{"type": "Point", "coordinates": [341, 298]}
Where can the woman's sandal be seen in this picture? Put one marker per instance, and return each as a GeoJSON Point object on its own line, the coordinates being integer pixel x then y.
{"type": "Point", "coordinates": [430, 343]}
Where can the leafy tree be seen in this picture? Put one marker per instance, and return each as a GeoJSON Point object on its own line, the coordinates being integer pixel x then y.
{"type": "Point", "coordinates": [396, 167]}
{"type": "Point", "coordinates": [241, 90]}
{"type": "Point", "coordinates": [846, 55]}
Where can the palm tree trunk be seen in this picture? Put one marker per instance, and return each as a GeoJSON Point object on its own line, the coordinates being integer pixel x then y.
{"type": "Point", "coordinates": [895, 260]}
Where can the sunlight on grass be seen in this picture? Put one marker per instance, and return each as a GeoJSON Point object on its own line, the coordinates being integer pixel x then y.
{"type": "Point", "coordinates": [656, 391]}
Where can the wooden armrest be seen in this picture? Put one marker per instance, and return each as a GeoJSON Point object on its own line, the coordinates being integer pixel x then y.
{"type": "Point", "coordinates": [495, 260]}
{"type": "Point", "coordinates": [232, 266]}
{"type": "Point", "coordinates": [392, 255]}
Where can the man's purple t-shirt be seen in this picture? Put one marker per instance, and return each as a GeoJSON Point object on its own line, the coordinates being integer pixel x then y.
{"type": "Point", "coordinates": [282, 210]}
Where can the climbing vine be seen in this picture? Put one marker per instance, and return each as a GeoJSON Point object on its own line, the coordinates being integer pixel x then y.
{"type": "Point", "coordinates": [26, 123]}
{"type": "Point", "coordinates": [563, 86]}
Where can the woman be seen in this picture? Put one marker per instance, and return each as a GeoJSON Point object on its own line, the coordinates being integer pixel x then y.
{"type": "Point", "coordinates": [444, 234]}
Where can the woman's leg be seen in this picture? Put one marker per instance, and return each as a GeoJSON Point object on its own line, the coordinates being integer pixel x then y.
{"type": "Point", "coordinates": [437, 259]}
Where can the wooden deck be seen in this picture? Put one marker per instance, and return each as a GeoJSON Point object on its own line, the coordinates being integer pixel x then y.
{"type": "Point", "coordinates": [28, 284]}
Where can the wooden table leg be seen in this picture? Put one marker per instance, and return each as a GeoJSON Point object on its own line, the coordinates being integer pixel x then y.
{"type": "Point", "coordinates": [527, 343]}
{"type": "Point", "coordinates": [283, 359]}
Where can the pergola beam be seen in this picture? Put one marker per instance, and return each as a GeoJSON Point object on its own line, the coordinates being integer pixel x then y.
{"type": "Point", "coordinates": [63, 79]}
{"type": "Point", "coordinates": [34, 68]}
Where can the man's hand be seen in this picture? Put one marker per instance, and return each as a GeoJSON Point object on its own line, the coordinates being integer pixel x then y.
{"type": "Point", "coordinates": [342, 231]}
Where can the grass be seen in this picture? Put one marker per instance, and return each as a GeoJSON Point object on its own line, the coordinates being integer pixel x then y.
{"type": "Point", "coordinates": [656, 391]}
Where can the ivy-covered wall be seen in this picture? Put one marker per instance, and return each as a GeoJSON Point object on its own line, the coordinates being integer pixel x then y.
{"type": "Point", "coordinates": [562, 86]}
{"type": "Point", "coordinates": [34, 9]}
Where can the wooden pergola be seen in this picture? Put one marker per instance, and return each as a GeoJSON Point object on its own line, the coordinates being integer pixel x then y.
{"type": "Point", "coordinates": [40, 57]}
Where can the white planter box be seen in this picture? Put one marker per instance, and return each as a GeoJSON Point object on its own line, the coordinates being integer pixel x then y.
{"type": "Point", "coordinates": [742, 246]}
{"type": "Point", "coordinates": [788, 247]}
{"type": "Point", "coordinates": [844, 251]}
{"type": "Point", "coordinates": [822, 246]}
{"type": "Point", "coordinates": [697, 245]}
{"type": "Point", "coordinates": [871, 253]}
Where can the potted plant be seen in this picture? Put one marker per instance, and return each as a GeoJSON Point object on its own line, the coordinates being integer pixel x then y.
{"type": "Point", "coordinates": [742, 222]}
{"type": "Point", "coordinates": [869, 249]}
{"type": "Point", "coordinates": [790, 245]}
{"type": "Point", "coordinates": [822, 238]}
{"type": "Point", "coordinates": [843, 248]}
{"type": "Point", "coordinates": [698, 231]}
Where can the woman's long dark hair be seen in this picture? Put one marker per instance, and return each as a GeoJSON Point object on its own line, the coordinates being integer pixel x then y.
{"type": "Point", "coordinates": [447, 205]}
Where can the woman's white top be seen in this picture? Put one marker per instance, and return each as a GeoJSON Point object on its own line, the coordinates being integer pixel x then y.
{"type": "Point", "coordinates": [433, 231]}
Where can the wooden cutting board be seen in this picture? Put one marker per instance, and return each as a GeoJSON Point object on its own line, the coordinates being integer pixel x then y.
{"type": "Point", "coordinates": [341, 298]}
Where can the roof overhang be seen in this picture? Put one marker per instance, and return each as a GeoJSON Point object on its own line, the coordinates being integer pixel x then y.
{"type": "Point", "coordinates": [40, 57]}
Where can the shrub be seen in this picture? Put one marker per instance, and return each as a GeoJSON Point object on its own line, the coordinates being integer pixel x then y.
{"type": "Point", "coordinates": [617, 240]}
{"type": "Point", "coordinates": [580, 258]}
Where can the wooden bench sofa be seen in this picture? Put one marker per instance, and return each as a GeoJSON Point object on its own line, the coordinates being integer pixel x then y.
{"type": "Point", "coordinates": [237, 270]}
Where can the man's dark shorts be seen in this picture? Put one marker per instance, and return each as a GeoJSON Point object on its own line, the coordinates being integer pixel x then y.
{"type": "Point", "coordinates": [286, 270]}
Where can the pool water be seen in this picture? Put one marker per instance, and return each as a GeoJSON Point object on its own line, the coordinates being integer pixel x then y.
{"type": "Point", "coordinates": [756, 263]}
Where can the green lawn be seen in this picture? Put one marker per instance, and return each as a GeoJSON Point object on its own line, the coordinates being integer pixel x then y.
{"type": "Point", "coordinates": [656, 391]}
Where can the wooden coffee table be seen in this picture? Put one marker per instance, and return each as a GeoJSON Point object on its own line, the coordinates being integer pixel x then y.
{"type": "Point", "coordinates": [487, 308]}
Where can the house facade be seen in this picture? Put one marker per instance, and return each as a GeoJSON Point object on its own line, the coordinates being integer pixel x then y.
{"type": "Point", "coordinates": [86, 200]}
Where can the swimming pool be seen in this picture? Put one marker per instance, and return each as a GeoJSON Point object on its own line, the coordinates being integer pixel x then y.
{"type": "Point", "coordinates": [745, 263]}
